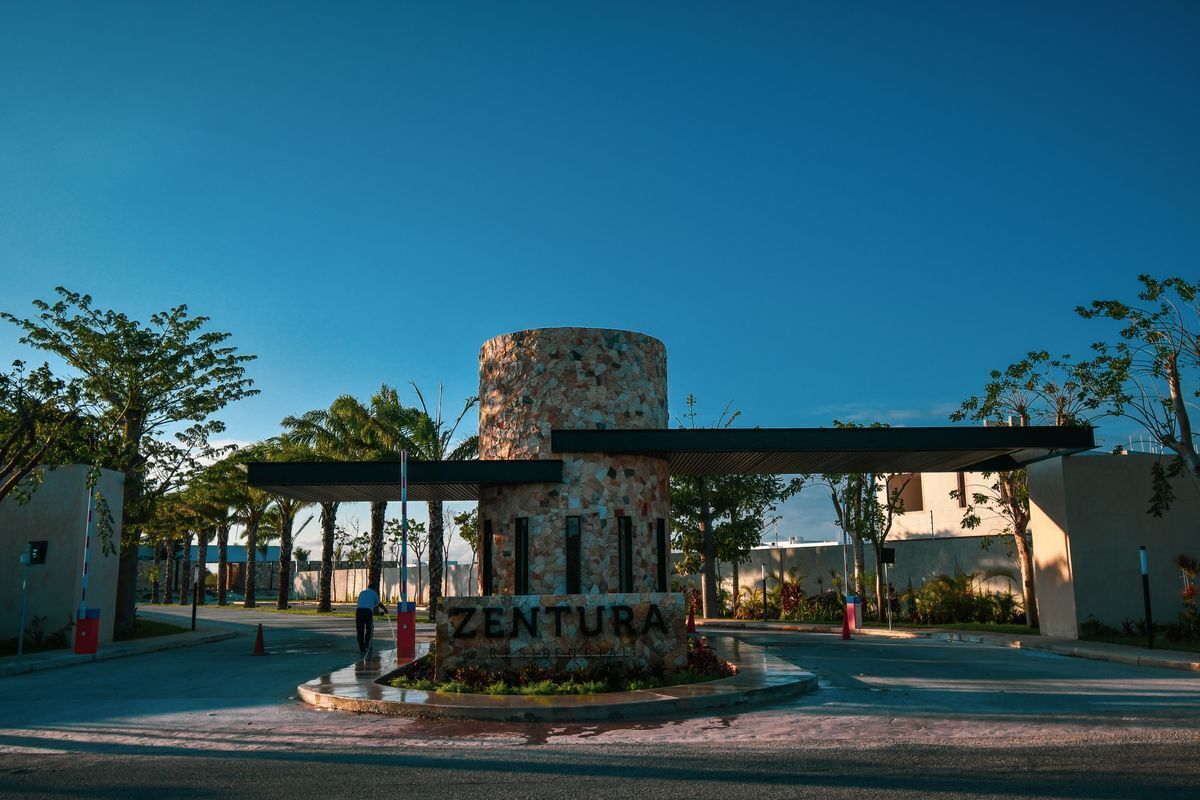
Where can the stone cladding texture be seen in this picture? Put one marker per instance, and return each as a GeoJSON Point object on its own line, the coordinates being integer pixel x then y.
{"type": "Point", "coordinates": [532, 382]}
{"type": "Point", "coordinates": [586, 635]}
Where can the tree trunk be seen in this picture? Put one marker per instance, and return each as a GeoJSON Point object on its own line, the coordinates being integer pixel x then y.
{"type": "Point", "coordinates": [328, 529]}
{"type": "Point", "coordinates": [186, 582]}
{"type": "Point", "coordinates": [471, 571]}
{"type": "Point", "coordinates": [133, 464]}
{"type": "Point", "coordinates": [435, 557]}
{"type": "Point", "coordinates": [737, 586]}
{"type": "Point", "coordinates": [202, 561]}
{"type": "Point", "coordinates": [860, 566]}
{"type": "Point", "coordinates": [158, 572]}
{"type": "Point", "coordinates": [251, 564]}
{"type": "Point", "coordinates": [285, 561]}
{"type": "Point", "coordinates": [1025, 559]}
{"type": "Point", "coordinates": [880, 599]}
{"type": "Point", "coordinates": [223, 565]}
{"type": "Point", "coordinates": [375, 545]}
{"type": "Point", "coordinates": [169, 588]}
{"type": "Point", "coordinates": [708, 576]}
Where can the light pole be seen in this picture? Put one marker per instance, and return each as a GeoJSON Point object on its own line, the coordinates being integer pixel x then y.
{"type": "Point", "coordinates": [1146, 595]}
{"type": "Point", "coordinates": [24, 591]}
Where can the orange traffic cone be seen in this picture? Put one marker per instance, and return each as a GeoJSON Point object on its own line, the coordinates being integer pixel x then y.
{"type": "Point", "coordinates": [691, 621]}
{"type": "Point", "coordinates": [846, 621]}
{"type": "Point", "coordinates": [258, 643]}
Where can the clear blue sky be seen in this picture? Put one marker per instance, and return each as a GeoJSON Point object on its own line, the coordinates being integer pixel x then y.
{"type": "Point", "coordinates": [824, 210]}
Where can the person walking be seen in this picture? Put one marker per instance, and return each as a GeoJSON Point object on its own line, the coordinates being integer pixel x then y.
{"type": "Point", "coordinates": [364, 617]}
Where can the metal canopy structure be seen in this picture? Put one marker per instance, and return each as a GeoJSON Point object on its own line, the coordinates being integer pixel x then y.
{"type": "Point", "coordinates": [704, 451]}
{"type": "Point", "coordinates": [325, 481]}
{"type": "Point", "coordinates": [733, 451]}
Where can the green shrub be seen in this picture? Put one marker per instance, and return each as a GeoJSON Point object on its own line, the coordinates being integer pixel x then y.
{"type": "Point", "coordinates": [1092, 628]}
{"type": "Point", "coordinates": [946, 599]}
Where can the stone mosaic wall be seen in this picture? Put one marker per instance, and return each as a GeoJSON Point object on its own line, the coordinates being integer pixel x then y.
{"type": "Point", "coordinates": [532, 382]}
{"type": "Point", "coordinates": [508, 633]}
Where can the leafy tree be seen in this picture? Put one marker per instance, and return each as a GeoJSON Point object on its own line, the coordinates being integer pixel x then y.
{"type": "Point", "coordinates": [144, 380]}
{"type": "Point", "coordinates": [467, 523]}
{"type": "Point", "coordinates": [418, 543]}
{"type": "Point", "coordinates": [1041, 390]}
{"type": "Point", "coordinates": [720, 518]}
{"type": "Point", "coordinates": [866, 505]}
{"type": "Point", "coordinates": [740, 509]}
{"type": "Point", "coordinates": [696, 505]}
{"type": "Point", "coordinates": [36, 409]}
{"type": "Point", "coordinates": [1150, 375]}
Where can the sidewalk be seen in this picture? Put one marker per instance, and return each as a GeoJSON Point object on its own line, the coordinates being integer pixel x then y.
{"type": "Point", "coordinates": [1099, 651]}
{"type": "Point", "coordinates": [53, 659]}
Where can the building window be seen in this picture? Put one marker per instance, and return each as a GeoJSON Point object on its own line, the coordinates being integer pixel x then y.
{"type": "Point", "coordinates": [573, 548]}
{"type": "Point", "coordinates": [962, 490]}
{"type": "Point", "coordinates": [625, 551]}
{"type": "Point", "coordinates": [522, 556]}
{"type": "Point", "coordinates": [486, 558]}
{"type": "Point", "coordinates": [664, 553]}
{"type": "Point", "coordinates": [909, 488]}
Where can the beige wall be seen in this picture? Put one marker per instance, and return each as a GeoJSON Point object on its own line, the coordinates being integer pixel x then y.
{"type": "Point", "coordinates": [347, 583]}
{"type": "Point", "coordinates": [916, 559]}
{"type": "Point", "coordinates": [57, 513]}
{"type": "Point", "coordinates": [937, 514]}
{"type": "Point", "coordinates": [1088, 519]}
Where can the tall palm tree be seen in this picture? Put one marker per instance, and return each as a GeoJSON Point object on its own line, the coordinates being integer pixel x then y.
{"type": "Point", "coordinates": [281, 448]}
{"type": "Point", "coordinates": [217, 490]}
{"type": "Point", "coordinates": [380, 431]}
{"type": "Point", "coordinates": [328, 436]}
{"type": "Point", "coordinates": [250, 506]}
{"type": "Point", "coordinates": [368, 432]}
{"type": "Point", "coordinates": [426, 436]}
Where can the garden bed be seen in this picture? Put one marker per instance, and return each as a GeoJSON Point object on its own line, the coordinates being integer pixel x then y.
{"type": "Point", "coordinates": [703, 665]}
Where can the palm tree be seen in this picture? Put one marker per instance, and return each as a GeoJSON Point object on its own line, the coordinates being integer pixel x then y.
{"type": "Point", "coordinates": [327, 435]}
{"type": "Point", "coordinates": [426, 437]}
{"type": "Point", "coordinates": [250, 506]}
{"type": "Point", "coordinates": [380, 431]}
{"type": "Point", "coordinates": [217, 491]}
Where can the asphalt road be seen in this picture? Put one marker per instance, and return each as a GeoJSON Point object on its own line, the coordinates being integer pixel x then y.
{"type": "Point", "coordinates": [894, 718]}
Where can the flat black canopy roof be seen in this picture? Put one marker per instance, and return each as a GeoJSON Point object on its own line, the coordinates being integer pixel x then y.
{"type": "Point", "coordinates": [380, 480]}
{"type": "Point", "coordinates": [742, 451]}
{"type": "Point", "coordinates": [703, 451]}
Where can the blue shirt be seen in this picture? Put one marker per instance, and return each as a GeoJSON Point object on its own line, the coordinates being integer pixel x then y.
{"type": "Point", "coordinates": [368, 599]}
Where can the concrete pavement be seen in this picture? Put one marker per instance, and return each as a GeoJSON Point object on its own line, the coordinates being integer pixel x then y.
{"type": "Point", "coordinates": [54, 659]}
{"type": "Point", "coordinates": [905, 718]}
{"type": "Point", "coordinates": [1097, 651]}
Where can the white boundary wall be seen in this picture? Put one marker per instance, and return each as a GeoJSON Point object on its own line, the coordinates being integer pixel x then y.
{"type": "Point", "coordinates": [347, 583]}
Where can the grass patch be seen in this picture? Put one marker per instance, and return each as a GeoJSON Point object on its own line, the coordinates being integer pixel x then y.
{"type": "Point", "coordinates": [1160, 642]}
{"type": "Point", "coordinates": [148, 628]}
{"type": "Point", "coordinates": [292, 610]}
{"type": "Point", "coordinates": [63, 639]}
{"type": "Point", "coordinates": [981, 627]}
{"type": "Point", "coordinates": [9, 646]}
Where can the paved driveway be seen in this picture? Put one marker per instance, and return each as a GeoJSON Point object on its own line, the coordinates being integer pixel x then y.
{"type": "Point", "coordinates": [895, 718]}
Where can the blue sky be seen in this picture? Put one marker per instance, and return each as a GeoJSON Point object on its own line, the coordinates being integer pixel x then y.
{"type": "Point", "coordinates": [824, 210]}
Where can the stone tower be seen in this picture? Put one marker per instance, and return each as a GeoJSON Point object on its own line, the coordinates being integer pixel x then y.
{"type": "Point", "coordinates": [602, 529]}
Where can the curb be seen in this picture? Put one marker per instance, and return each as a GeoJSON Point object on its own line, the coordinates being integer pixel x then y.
{"type": "Point", "coordinates": [118, 650]}
{"type": "Point", "coordinates": [361, 687]}
{"type": "Point", "coordinates": [1135, 659]}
